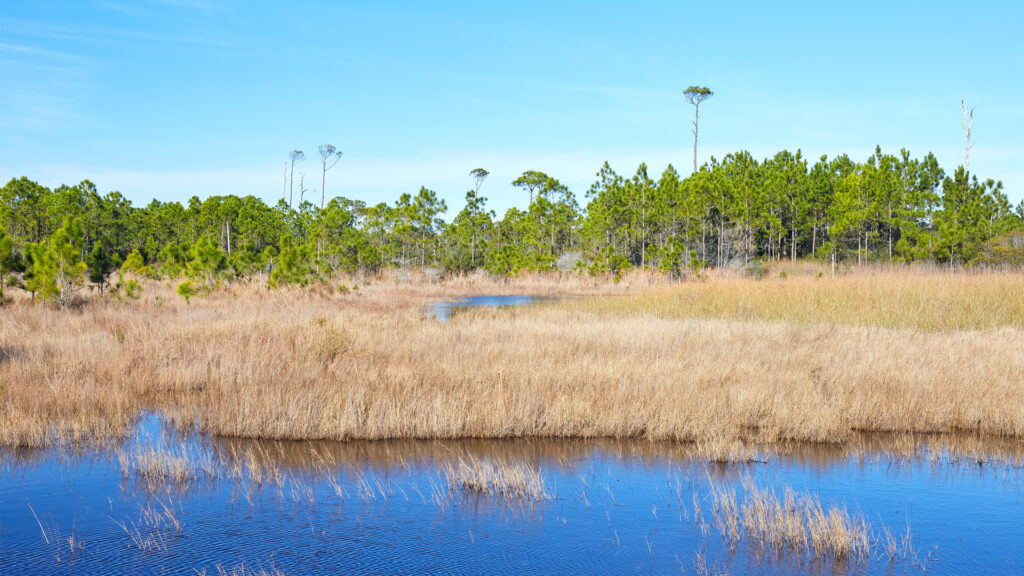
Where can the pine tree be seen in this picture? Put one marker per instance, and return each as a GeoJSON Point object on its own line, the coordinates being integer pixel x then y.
{"type": "Point", "coordinates": [100, 264]}
{"type": "Point", "coordinates": [294, 265]}
{"type": "Point", "coordinates": [6, 242]}
{"type": "Point", "coordinates": [58, 271]}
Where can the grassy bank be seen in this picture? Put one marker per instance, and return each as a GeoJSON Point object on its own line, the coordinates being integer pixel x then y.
{"type": "Point", "coordinates": [812, 359]}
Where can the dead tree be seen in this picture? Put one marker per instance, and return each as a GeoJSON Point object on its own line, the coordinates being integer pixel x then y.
{"type": "Point", "coordinates": [329, 157]}
{"type": "Point", "coordinates": [296, 156]}
{"type": "Point", "coordinates": [967, 131]}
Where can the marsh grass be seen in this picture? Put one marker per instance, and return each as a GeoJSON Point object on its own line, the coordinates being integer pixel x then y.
{"type": "Point", "coordinates": [53, 537]}
{"type": "Point", "coordinates": [318, 364]}
{"type": "Point", "coordinates": [515, 480]}
{"type": "Point", "coordinates": [720, 450]}
{"type": "Point", "coordinates": [897, 547]}
{"type": "Point", "coordinates": [923, 299]}
{"type": "Point", "coordinates": [158, 514]}
{"type": "Point", "coordinates": [143, 539]}
{"type": "Point", "coordinates": [790, 522]}
{"type": "Point", "coordinates": [157, 522]}
{"type": "Point", "coordinates": [159, 467]}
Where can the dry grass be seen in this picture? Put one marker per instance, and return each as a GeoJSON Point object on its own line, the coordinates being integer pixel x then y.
{"type": "Point", "coordinates": [157, 520]}
{"type": "Point", "coordinates": [368, 365]}
{"type": "Point", "coordinates": [898, 547]}
{"type": "Point", "coordinates": [790, 522]}
{"type": "Point", "coordinates": [160, 467]}
{"type": "Point", "coordinates": [506, 478]}
{"type": "Point", "coordinates": [924, 300]}
{"type": "Point", "coordinates": [727, 451]}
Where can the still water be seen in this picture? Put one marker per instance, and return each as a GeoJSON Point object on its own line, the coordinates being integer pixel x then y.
{"type": "Point", "coordinates": [388, 507]}
{"type": "Point", "coordinates": [444, 311]}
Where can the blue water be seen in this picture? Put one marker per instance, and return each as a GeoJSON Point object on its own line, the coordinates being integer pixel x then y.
{"type": "Point", "coordinates": [444, 311]}
{"type": "Point", "coordinates": [387, 508]}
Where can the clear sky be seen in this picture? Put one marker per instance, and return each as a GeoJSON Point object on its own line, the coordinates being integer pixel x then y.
{"type": "Point", "coordinates": [172, 98]}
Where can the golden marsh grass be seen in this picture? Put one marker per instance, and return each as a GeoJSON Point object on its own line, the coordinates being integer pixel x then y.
{"type": "Point", "coordinates": [920, 299]}
{"type": "Point", "coordinates": [791, 521]}
{"type": "Point", "coordinates": [510, 479]}
{"type": "Point", "coordinates": [816, 359]}
{"type": "Point", "coordinates": [161, 467]}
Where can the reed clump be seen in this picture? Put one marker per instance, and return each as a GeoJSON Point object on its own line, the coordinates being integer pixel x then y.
{"type": "Point", "coordinates": [517, 480]}
{"type": "Point", "coordinates": [159, 467]}
{"type": "Point", "coordinates": [790, 522]}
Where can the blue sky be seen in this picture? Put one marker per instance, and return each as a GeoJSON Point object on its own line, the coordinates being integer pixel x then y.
{"type": "Point", "coordinates": [174, 98]}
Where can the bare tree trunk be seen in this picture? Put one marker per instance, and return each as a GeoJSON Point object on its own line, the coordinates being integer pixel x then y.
{"type": "Point", "coordinates": [890, 232]}
{"type": "Point", "coordinates": [722, 248]}
{"type": "Point", "coordinates": [643, 227]}
{"type": "Point", "coordinates": [703, 240]}
{"type": "Point", "coordinates": [967, 131]}
{"type": "Point", "coordinates": [291, 185]}
{"type": "Point", "coordinates": [748, 234]}
{"type": "Point", "coordinates": [696, 128]}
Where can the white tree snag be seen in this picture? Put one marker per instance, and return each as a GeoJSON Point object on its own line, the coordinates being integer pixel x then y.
{"type": "Point", "coordinates": [967, 131]}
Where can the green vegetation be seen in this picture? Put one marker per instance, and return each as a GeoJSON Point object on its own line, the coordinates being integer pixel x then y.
{"type": "Point", "coordinates": [57, 268]}
{"type": "Point", "coordinates": [735, 212]}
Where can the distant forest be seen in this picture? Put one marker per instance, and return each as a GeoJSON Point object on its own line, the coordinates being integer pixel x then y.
{"type": "Point", "coordinates": [730, 213]}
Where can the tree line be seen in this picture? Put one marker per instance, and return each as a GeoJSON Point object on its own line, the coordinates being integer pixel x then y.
{"type": "Point", "coordinates": [729, 213]}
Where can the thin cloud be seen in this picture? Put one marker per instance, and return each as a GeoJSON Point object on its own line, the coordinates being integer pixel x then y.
{"type": "Point", "coordinates": [180, 32]}
{"type": "Point", "coordinates": [41, 86]}
{"type": "Point", "coordinates": [35, 51]}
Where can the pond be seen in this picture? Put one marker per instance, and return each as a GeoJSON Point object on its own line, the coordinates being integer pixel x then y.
{"type": "Point", "coordinates": [443, 311]}
{"type": "Point", "coordinates": [173, 503]}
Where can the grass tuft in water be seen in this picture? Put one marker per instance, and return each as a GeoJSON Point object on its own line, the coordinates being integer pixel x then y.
{"type": "Point", "coordinates": [510, 479]}
{"type": "Point", "coordinates": [791, 521]}
{"type": "Point", "coordinates": [161, 467]}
